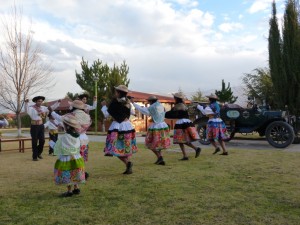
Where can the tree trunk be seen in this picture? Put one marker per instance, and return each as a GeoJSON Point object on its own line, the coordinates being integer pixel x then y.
{"type": "Point", "coordinates": [19, 124]}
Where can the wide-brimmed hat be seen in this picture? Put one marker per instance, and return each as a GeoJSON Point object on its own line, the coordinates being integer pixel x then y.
{"type": "Point", "coordinates": [122, 87]}
{"type": "Point", "coordinates": [37, 98]}
{"type": "Point", "coordinates": [212, 96]}
{"type": "Point", "coordinates": [179, 95]}
{"type": "Point", "coordinates": [77, 104]}
{"type": "Point", "coordinates": [152, 98]}
{"type": "Point", "coordinates": [71, 121]}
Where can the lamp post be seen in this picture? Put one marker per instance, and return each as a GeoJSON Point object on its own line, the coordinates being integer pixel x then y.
{"type": "Point", "coordinates": [96, 88]}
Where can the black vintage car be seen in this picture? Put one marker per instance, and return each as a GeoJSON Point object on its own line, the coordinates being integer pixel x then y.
{"type": "Point", "coordinates": [280, 129]}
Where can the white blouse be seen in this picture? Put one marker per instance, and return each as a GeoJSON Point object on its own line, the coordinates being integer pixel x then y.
{"type": "Point", "coordinates": [34, 114]}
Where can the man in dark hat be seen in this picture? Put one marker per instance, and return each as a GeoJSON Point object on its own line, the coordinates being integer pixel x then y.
{"type": "Point", "coordinates": [84, 99]}
{"type": "Point", "coordinates": [37, 113]}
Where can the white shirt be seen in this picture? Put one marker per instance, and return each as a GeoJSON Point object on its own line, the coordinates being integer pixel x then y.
{"type": "Point", "coordinates": [143, 110]}
{"type": "Point", "coordinates": [34, 114]}
{"type": "Point", "coordinates": [91, 107]}
{"type": "Point", "coordinates": [51, 125]}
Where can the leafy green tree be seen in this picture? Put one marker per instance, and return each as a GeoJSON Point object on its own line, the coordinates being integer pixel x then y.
{"type": "Point", "coordinates": [117, 76]}
{"type": "Point", "coordinates": [259, 85]}
{"type": "Point", "coordinates": [198, 96]}
{"type": "Point", "coordinates": [72, 96]}
{"type": "Point", "coordinates": [225, 94]}
{"type": "Point", "coordinates": [107, 78]}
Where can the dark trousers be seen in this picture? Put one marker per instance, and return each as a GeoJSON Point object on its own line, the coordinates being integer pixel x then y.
{"type": "Point", "coordinates": [38, 139]}
{"type": "Point", "coordinates": [52, 137]}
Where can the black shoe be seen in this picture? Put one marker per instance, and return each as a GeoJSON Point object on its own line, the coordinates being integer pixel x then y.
{"type": "Point", "coordinates": [108, 154]}
{"type": "Point", "coordinates": [40, 157]}
{"type": "Point", "coordinates": [35, 160]}
{"type": "Point", "coordinates": [67, 194]}
{"type": "Point", "coordinates": [76, 191]}
{"type": "Point", "coordinates": [198, 151]}
{"type": "Point", "coordinates": [224, 153]}
{"type": "Point", "coordinates": [87, 175]}
{"type": "Point", "coordinates": [160, 159]}
{"type": "Point", "coordinates": [216, 150]}
{"type": "Point", "coordinates": [161, 163]}
{"type": "Point", "coordinates": [128, 168]}
{"type": "Point", "coordinates": [184, 158]}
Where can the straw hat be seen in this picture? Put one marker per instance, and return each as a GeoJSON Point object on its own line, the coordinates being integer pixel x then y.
{"type": "Point", "coordinates": [212, 96]}
{"type": "Point", "coordinates": [77, 104]}
{"type": "Point", "coordinates": [179, 95]}
{"type": "Point", "coordinates": [38, 98]}
{"type": "Point", "coordinates": [151, 98]}
{"type": "Point", "coordinates": [71, 121]}
{"type": "Point", "coordinates": [122, 87]}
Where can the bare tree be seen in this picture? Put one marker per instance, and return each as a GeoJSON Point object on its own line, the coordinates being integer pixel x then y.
{"type": "Point", "coordinates": [23, 71]}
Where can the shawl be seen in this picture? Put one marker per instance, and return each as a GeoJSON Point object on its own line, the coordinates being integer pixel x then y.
{"type": "Point", "coordinates": [119, 109]}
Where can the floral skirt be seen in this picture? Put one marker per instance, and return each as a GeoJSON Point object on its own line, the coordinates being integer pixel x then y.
{"type": "Point", "coordinates": [120, 140]}
{"type": "Point", "coordinates": [185, 132]}
{"type": "Point", "coordinates": [158, 137]}
{"type": "Point", "coordinates": [69, 170]}
{"type": "Point", "coordinates": [84, 152]}
{"type": "Point", "coordinates": [216, 131]}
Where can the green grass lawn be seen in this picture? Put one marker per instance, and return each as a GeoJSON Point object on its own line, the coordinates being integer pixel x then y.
{"type": "Point", "coordinates": [246, 187]}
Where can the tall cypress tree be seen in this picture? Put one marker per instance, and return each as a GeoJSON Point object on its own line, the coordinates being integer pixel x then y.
{"type": "Point", "coordinates": [277, 72]}
{"type": "Point", "coordinates": [290, 55]}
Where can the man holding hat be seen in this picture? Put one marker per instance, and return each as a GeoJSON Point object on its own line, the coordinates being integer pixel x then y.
{"type": "Point", "coordinates": [158, 133]}
{"type": "Point", "coordinates": [37, 113]}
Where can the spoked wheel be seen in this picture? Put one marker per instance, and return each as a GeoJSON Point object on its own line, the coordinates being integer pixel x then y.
{"type": "Point", "coordinates": [280, 134]}
{"type": "Point", "coordinates": [201, 128]}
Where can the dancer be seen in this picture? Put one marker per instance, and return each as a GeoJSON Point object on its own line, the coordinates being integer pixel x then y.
{"type": "Point", "coordinates": [120, 140]}
{"type": "Point", "coordinates": [84, 99]}
{"type": "Point", "coordinates": [3, 122]}
{"type": "Point", "coordinates": [216, 129]}
{"type": "Point", "coordinates": [69, 167]}
{"type": "Point", "coordinates": [53, 126]}
{"type": "Point", "coordinates": [37, 113]}
{"type": "Point", "coordinates": [84, 119]}
{"type": "Point", "coordinates": [184, 130]}
{"type": "Point", "coordinates": [158, 133]}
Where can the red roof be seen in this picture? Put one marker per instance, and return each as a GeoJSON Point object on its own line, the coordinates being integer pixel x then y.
{"type": "Point", "coordinates": [142, 97]}
{"type": "Point", "coordinates": [138, 97]}
{"type": "Point", "coordinates": [64, 104]}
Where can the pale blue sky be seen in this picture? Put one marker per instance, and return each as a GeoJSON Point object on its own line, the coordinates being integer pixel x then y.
{"type": "Point", "coordinates": [168, 44]}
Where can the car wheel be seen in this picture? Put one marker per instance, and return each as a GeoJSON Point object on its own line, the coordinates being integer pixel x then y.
{"type": "Point", "coordinates": [280, 134]}
{"type": "Point", "coordinates": [201, 128]}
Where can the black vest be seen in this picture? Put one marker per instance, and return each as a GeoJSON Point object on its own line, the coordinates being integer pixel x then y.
{"type": "Point", "coordinates": [119, 110]}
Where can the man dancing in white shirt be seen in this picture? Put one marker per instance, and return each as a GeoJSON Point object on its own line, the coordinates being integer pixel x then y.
{"type": "Point", "coordinates": [37, 113]}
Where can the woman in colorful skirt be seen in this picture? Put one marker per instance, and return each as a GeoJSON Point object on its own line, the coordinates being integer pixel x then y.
{"type": "Point", "coordinates": [69, 167]}
{"type": "Point", "coordinates": [158, 134]}
{"type": "Point", "coordinates": [120, 140]}
{"type": "Point", "coordinates": [77, 109]}
{"type": "Point", "coordinates": [216, 129]}
{"type": "Point", "coordinates": [184, 130]}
